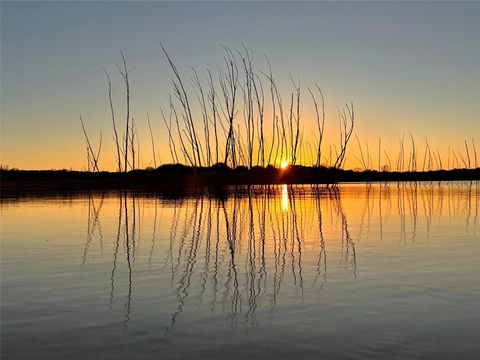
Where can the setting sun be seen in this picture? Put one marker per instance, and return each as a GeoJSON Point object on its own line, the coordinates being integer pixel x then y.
{"type": "Point", "coordinates": [278, 175]}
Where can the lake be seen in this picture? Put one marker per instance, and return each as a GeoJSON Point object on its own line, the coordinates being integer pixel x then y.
{"type": "Point", "coordinates": [283, 272]}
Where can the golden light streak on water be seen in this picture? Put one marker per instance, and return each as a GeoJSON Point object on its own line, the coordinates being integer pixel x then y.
{"type": "Point", "coordinates": [284, 198]}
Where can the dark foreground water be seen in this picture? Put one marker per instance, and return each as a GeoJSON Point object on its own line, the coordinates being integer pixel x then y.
{"type": "Point", "coordinates": [355, 271]}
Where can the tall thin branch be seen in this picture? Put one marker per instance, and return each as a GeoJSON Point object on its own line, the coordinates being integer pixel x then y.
{"type": "Point", "coordinates": [153, 142]}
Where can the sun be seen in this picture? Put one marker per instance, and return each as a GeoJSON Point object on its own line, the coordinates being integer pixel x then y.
{"type": "Point", "coordinates": [283, 164]}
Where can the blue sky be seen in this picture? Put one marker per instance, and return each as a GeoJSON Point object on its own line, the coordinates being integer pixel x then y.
{"type": "Point", "coordinates": [408, 67]}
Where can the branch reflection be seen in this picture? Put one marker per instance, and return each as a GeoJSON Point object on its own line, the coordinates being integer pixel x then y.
{"type": "Point", "coordinates": [245, 252]}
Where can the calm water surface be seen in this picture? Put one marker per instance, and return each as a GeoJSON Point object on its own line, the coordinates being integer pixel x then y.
{"type": "Point", "coordinates": [354, 271]}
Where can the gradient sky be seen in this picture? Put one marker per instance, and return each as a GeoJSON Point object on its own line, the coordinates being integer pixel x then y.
{"type": "Point", "coordinates": [408, 67]}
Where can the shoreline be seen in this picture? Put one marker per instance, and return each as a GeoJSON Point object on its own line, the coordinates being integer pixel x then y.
{"type": "Point", "coordinates": [182, 178]}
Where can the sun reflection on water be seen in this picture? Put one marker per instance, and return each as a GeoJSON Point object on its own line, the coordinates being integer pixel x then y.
{"type": "Point", "coordinates": [284, 198]}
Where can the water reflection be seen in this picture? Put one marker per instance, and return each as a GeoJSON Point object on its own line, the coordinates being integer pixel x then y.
{"type": "Point", "coordinates": [255, 248]}
{"type": "Point", "coordinates": [93, 224]}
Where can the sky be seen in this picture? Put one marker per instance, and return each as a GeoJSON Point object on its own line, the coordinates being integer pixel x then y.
{"type": "Point", "coordinates": [409, 67]}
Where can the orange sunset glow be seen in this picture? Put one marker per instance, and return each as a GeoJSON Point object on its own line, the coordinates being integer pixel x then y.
{"type": "Point", "coordinates": [239, 180]}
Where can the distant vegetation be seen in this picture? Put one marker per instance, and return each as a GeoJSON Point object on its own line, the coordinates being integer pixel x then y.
{"type": "Point", "coordinates": [236, 116]}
